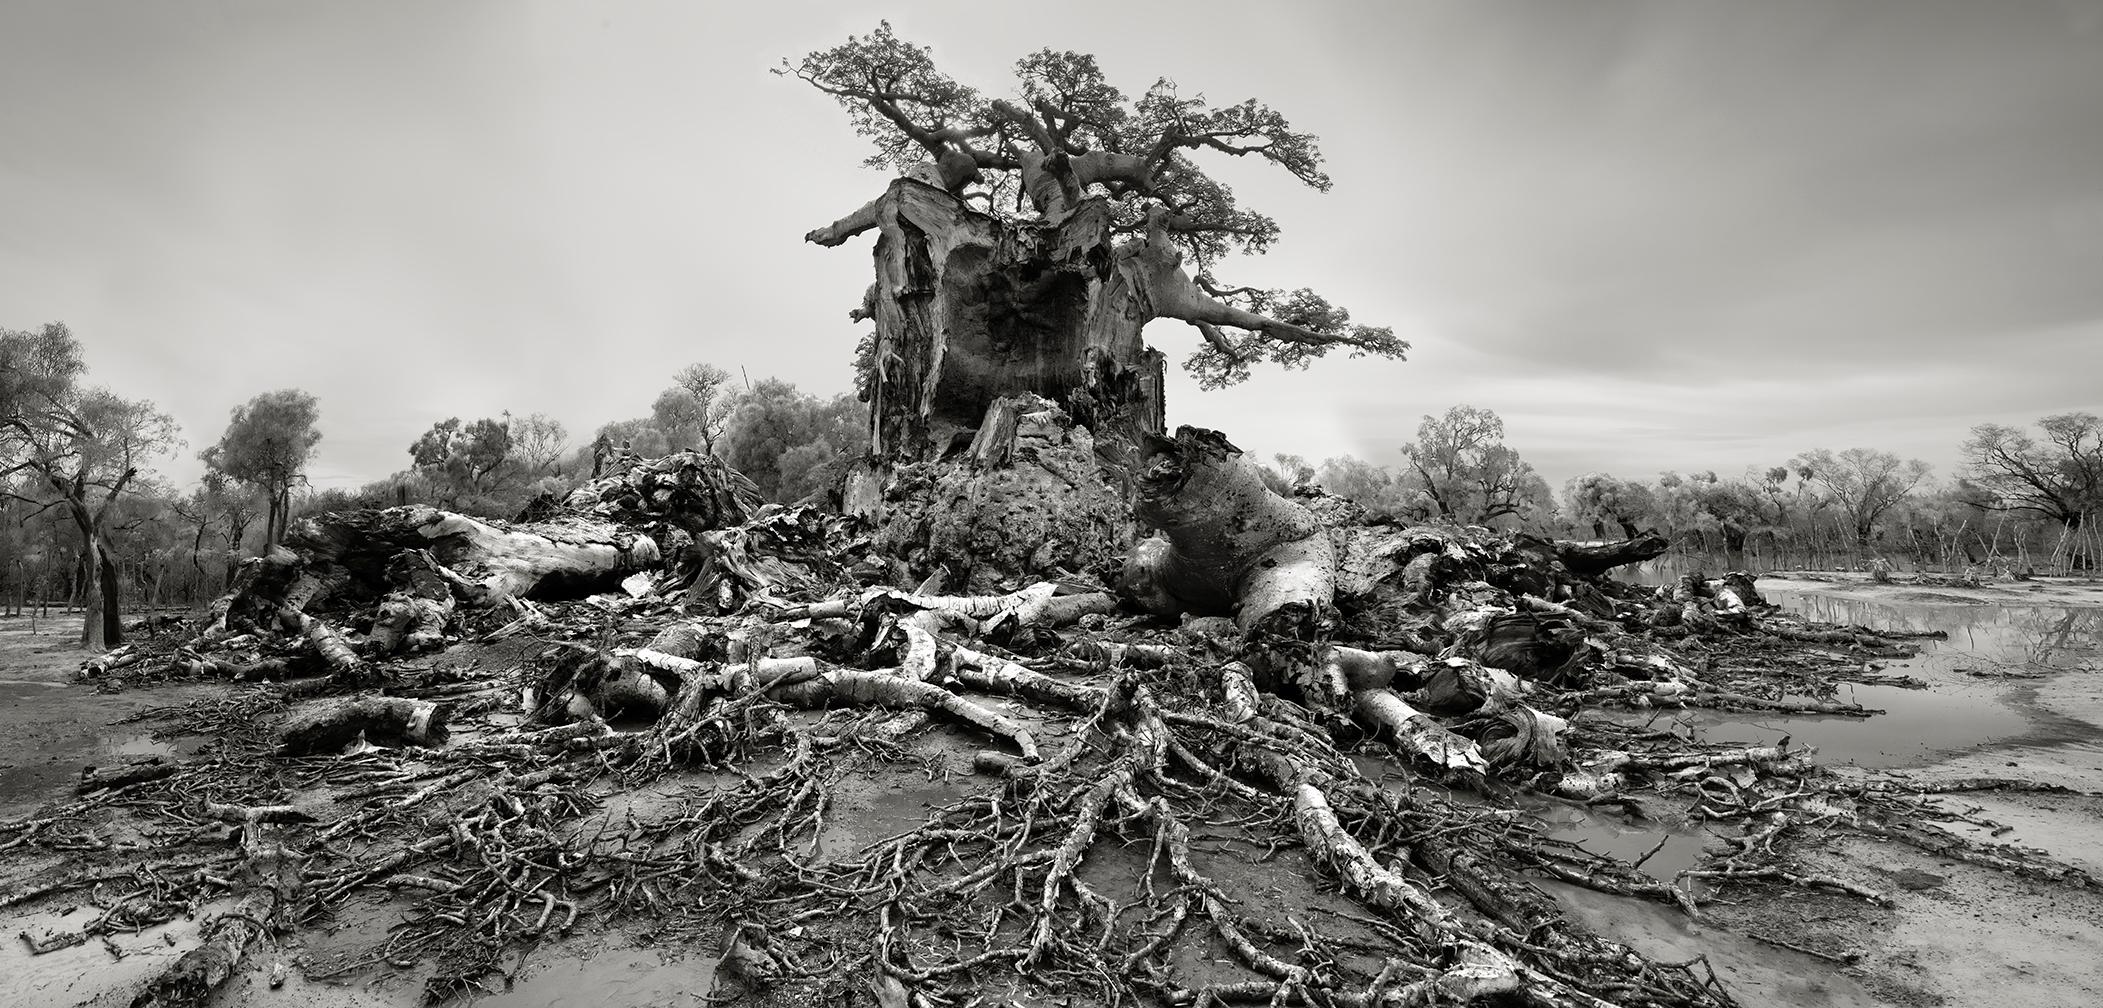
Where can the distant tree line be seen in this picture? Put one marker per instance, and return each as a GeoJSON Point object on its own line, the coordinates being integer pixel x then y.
{"type": "Point", "coordinates": [2022, 500]}
{"type": "Point", "coordinates": [87, 524]}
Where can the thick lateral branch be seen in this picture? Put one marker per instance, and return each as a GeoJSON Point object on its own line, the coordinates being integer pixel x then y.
{"type": "Point", "coordinates": [1230, 545]}
{"type": "Point", "coordinates": [1594, 559]}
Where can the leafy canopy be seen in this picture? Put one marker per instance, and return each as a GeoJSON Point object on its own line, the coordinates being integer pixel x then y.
{"type": "Point", "coordinates": [268, 440]}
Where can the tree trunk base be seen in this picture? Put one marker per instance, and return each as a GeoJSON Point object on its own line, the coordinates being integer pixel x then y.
{"type": "Point", "coordinates": [1029, 501]}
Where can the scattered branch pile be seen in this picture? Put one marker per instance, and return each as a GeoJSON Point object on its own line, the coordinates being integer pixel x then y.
{"type": "Point", "coordinates": [1284, 757]}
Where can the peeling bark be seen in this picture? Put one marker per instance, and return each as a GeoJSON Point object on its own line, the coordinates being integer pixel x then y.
{"type": "Point", "coordinates": [328, 726]}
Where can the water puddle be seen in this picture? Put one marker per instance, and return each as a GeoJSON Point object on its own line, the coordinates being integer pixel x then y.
{"type": "Point", "coordinates": [621, 976]}
{"type": "Point", "coordinates": [1982, 686]}
{"type": "Point", "coordinates": [874, 806]}
{"type": "Point", "coordinates": [1917, 726]}
{"type": "Point", "coordinates": [1758, 975]}
{"type": "Point", "coordinates": [1614, 833]}
{"type": "Point", "coordinates": [1979, 684]}
{"type": "Point", "coordinates": [49, 731]}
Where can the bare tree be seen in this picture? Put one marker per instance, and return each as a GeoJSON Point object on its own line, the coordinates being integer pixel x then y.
{"type": "Point", "coordinates": [2059, 478]}
{"type": "Point", "coordinates": [1863, 482]}
{"type": "Point", "coordinates": [698, 406]}
{"type": "Point", "coordinates": [538, 440]}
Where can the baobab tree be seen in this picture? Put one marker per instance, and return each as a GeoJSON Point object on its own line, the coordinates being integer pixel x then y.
{"type": "Point", "coordinates": [1032, 236]}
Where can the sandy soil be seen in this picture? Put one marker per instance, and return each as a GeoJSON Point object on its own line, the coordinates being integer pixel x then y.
{"type": "Point", "coordinates": [51, 728]}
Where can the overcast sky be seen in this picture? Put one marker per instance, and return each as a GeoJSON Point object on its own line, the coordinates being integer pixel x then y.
{"type": "Point", "coordinates": [1661, 235]}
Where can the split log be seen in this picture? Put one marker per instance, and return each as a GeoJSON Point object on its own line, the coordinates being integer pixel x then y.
{"type": "Point", "coordinates": [884, 689]}
{"type": "Point", "coordinates": [1419, 733]}
{"type": "Point", "coordinates": [329, 726]}
{"type": "Point", "coordinates": [1229, 545]}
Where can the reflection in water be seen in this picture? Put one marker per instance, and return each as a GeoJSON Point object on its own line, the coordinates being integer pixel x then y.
{"type": "Point", "coordinates": [1758, 976]}
{"type": "Point", "coordinates": [1980, 697]}
{"type": "Point", "coordinates": [2033, 637]}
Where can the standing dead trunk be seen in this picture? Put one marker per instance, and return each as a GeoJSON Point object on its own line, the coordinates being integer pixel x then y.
{"type": "Point", "coordinates": [1734, 536]}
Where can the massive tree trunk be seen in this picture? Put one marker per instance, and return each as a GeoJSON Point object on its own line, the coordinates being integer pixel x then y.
{"type": "Point", "coordinates": [969, 309]}
{"type": "Point", "coordinates": [487, 562]}
{"type": "Point", "coordinates": [1228, 544]}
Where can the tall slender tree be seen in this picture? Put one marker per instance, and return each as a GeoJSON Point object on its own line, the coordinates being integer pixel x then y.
{"type": "Point", "coordinates": [266, 445]}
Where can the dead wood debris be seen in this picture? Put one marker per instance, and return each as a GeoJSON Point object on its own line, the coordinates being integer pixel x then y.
{"type": "Point", "coordinates": [745, 676]}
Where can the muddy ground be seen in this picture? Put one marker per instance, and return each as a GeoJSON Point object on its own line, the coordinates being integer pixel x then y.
{"type": "Point", "coordinates": [2017, 690]}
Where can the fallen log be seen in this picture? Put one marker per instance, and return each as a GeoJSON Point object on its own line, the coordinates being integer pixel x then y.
{"type": "Point", "coordinates": [1594, 559]}
{"type": "Point", "coordinates": [191, 981]}
{"type": "Point", "coordinates": [97, 779]}
{"type": "Point", "coordinates": [336, 653]}
{"type": "Point", "coordinates": [328, 726]}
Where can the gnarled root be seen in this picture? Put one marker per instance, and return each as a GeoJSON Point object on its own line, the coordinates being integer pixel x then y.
{"type": "Point", "coordinates": [1418, 733]}
{"type": "Point", "coordinates": [885, 689]}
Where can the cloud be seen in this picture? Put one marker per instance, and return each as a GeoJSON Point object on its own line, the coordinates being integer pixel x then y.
{"type": "Point", "coordinates": [1690, 235]}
